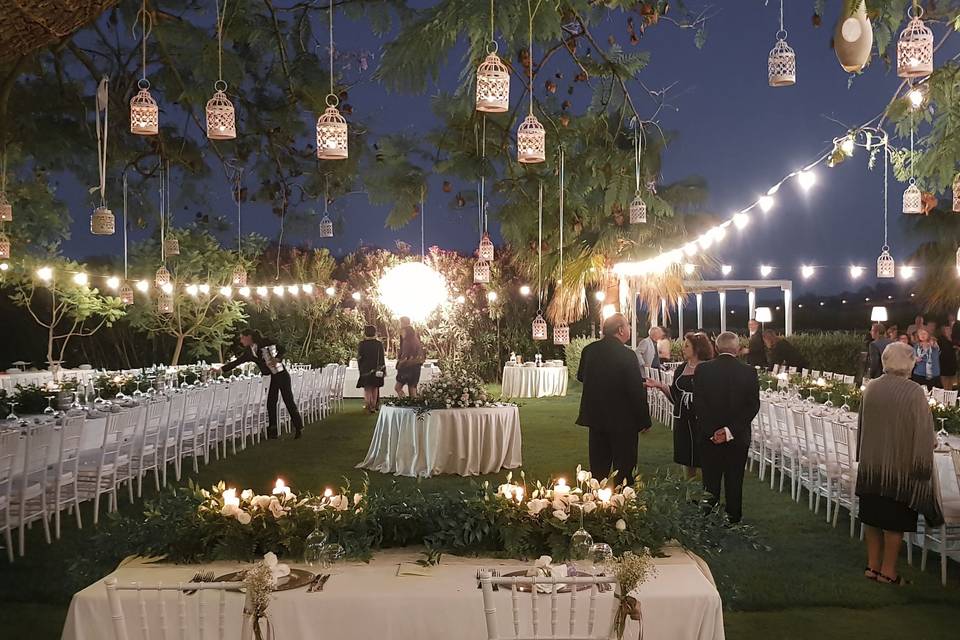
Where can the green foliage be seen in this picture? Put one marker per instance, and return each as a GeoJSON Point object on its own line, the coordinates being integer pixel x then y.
{"type": "Point", "coordinates": [834, 351]}
{"type": "Point", "coordinates": [572, 352]}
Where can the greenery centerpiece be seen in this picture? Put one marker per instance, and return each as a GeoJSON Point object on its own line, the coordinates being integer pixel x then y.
{"type": "Point", "coordinates": [454, 389]}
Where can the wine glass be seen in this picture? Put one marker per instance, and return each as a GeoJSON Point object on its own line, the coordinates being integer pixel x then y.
{"type": "Point", "coordinates": [829, 402]}
{"type": "Point", "coordinates": [314, 547]}
{"type": "Point", "coordinates": [76, 401]}
{"type": "Point", "coordinates": [49, 411]}
{"type": "Point", "coordinates": [846, 404]}
{"type": "Point", "coordinates": [602, 555]}
{"type": "Point", "coordinates": [99, 399]}
{"type": "Point", "coordinates": [137, 393]}
{"type": "Point", "coordinates": [12, 416]}
{"type": "Point", "coordinates": [332, 553]}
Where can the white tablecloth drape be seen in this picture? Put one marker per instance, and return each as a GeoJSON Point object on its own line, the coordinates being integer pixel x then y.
{"type": "Point", "coordinates": [350, 390]}
{"type": "Point", "coordinates": [534, 382]}
{"type": "Point", "coordinates": [465, 442]}
{"type": "Point", "coordinates": [372, 601]}
{"type": "Point", "coordinates": [948, 477]}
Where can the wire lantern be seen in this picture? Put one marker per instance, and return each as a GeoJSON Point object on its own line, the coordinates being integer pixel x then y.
{"type": "Point", "coordinates": [326, 227]}
{"type": "Point", "coordinates": [531, 141]}
{"type": "Point", "coordinates": [4, 246]}
{"type": "Point", "coordinates": [6, 209]}
{"type": "Point", "coordinates": [485, 251]}
{"type": "Point", "coordinates": [332, 133]}
{"type": "Point", "coordinates": [126, 293]}
{"type": "Point", "coordinates": [165, 303]}
{"type": "Point", "coordinates": [956, 193]}
{"type": "Point", "coordinates": [144, 112]}
{"type": "Point", "coordinates": [239, 277]}
{"type": "Point", "coordinates": [915, 48]}
{"type": "Point", "coordinates": [171, 246]}
{"type": "Point", "coordinates": [561, 334]}
{"type": "Point", "coordinates": [102, 222]}
{"type": "Point", "coordinates": [221, 117]}
{"type": "Point", "coordinates": [638, 210]}
{"type": "Point", "coordinates": [162, 278]}
{"type": "Point", "coordinates": [782, 64]}
{"type": "Point", "coordinates": [493, 84]}
{"type": "Point", "coordinates": [886, 267]}
{"type": "Point", "coordinates": [539, 328]}
{"type": "Point", "coordinates": [912, 200]}
{"type": "Point", "coordinates": [481, 272]}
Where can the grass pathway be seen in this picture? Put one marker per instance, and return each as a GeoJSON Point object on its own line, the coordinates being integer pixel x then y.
{"type": "Point", "coordinates": [808, 585]}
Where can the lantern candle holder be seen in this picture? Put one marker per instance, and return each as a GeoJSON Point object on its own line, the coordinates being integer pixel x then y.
{"type": "Point", "coordinates": [638, 210]}
{"type": "Point", "coordinates": [165, 303]}
{"type": "Point", "coordinates": [493, 84]}
{"type": "Point", "coordinates": [126, 293]}
{"type": "Point", "coordinates": [171, 246]}
{"type": "Point", "coordinates": [332, 133]}
{"type": "Point", "coordinates": [531, 141]}
{"type": "Point", "coordinates": [326, 227]}
{"type": "Point", "coordinates": [886, 267]}
{"type": "Point", "coordinates": [912, 200]}
{"type": "Point", "coordinates": [144, 112]}
{"type": "Point", "coordinates": [239, 278]}
{"type": "Point", "coordinates": [481, 272]}
{"type": "Point", "coordinates": [561, 334]}
{"type": "Point", "coordinates": [162, 278]}
{"type": "Point", "coordinates": [782, 63]}
{"type": "Point", "coordinates": [4, 246]}
{"type": "Point", "coordinates": [6, 209]}
{"type": "Point", "coordinates": [485, 251]}
{"type": "Point", "coordinates": [221, 117]}
{"type": "Point", "coordinates": [915, 48]}
{"type": "Point", "coordinates": [102, 222]}
{"type": "Point", "coordinates": [539, 328]}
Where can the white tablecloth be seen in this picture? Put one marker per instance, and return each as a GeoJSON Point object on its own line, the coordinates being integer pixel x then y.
{"type": "Point", "coordinates": [9, 381]}
{"type": "Point", "coordinates": [370, 601]}
{"type": "Point", "coordinates": [534, 382]}
{"type": "Point", "coordinates": [949, 482]}
{"type": "Point", "coordinates": [427, 373]}
{"type": "Point", "coordinates": [466, 442]}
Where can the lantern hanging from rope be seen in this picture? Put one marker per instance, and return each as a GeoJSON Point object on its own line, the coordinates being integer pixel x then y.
{"type": "Point", "coordinates": [4, 246]}
{"type": "Point", "coordinates": [915, 47]}
{"type": "Point", "coordinates": [956, 193]}
{"type": "Point", "coordinates": [481, 272]}
{"type": "Point", "coordinates": [493, 83]}
{"type": "Point", "coordinates": [782, 61]}
{"type": "Point", "coordinates": [531, 136]}
{"type": "Point", "coordinates": [126, 293]}
{"type": "Point", "coordinates": [485, 251]}
{"type": "Point", "coordinates": [6, 209]}
{"type": "Point", "coordinates": [162, 278]}
{"type": "Point", "coordinates": [539, 328]}
{"type": "Point", "coordinates": [165, 303]}
{"type": "Point", "coordinates": [239, 276]}
{"type": "Point", "coordinates": [171, 246]}
{"type": "Point", "coordinates": [561, 334]}
{"type": "Point", "coordinates": [144, 112]}
{"type": "Point", "coordinates": [102, 222]}
{"type": "Point", "coordinates": [912, 199]}
{"type": "Point", "coordinates": [886, 267]}
{"type": "Point", "coordinates": [326, 227]}
{"type": "Point", "coordinates": [221, 118]}
{"type": "Point", "coordinates": [332, 138]}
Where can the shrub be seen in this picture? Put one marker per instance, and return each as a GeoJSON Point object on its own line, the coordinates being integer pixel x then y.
{"type": "Point", "coordinates": [572, 353]}
{"type": "Point", "coordinates": [836, 351]}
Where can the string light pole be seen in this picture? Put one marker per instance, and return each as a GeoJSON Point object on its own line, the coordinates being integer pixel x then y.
{"type": "Point", "coordinates": [221, 117]}
{"type": "Point", "coordinates": [331, 126]}
{"type": "Point", "coordinates": [531, 136]}
{"type": "Point", "coordinates": [144, 112]}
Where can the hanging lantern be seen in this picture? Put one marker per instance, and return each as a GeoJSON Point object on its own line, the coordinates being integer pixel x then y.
{"type": "Point", "coordinates": [163, 277]}
{"type": "Point", "coordinates": [326, 227]}
{"type": "Point", "coordinates": [102, 222]}
{"type": "Point", "coordinates": [956, 193]}
{"type": "Point", "coordinates": [912, 200]}
{"type": "Point", "coordinates": [171, 246]}
{"type": "Point", "coordinates": [561, 334]}
{"type": "Point", "coordinates": [531, 141]}
{"type": "Point", "coordinates": [144, 112]}
{"type": "Point", "coordinates": [493, 84]}
{"type": "Point", "coordinates": [886, 268]}
{"type": "Point", "coordinates": [638, 210]}
{"type": "Point", "coordinates": [126, 293]}
{"type": "Point", "coordinates": [915, 48]}
{"type": "Point", "coordinates": [481, 272]}
{"type": "Point", "coordinates": [782, 63]}
{"type": "Point", "coordinates": [539, 328]}
{"type": "Point", "coordinates": [6, 209]}
{"type": "Point", "coordinates": [221, 118]}
{"type": "Point", "coordinates": [4, 246]}
{"type": "Point", "coordinates": [331, 133]}
{"type": "Point", "coordinates": [485, 252]}
{"type": "Point", "coordinates": [853, 39]}
{"type": "Point", "coordinates": [239, 278]}
{"type": "Point", "coordinates": [165, 303]}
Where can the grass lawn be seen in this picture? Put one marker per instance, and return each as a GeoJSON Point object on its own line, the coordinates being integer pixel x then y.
{"type": "Point", "coordinates": [808, 584]}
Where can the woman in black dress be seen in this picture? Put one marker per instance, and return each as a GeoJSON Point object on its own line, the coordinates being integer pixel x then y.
{"type": "Point", "coordinates": [696, 349]}
{"type": "Point", "coordinates": [372, 366]}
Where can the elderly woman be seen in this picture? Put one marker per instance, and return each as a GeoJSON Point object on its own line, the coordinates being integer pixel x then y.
{"type": "Point", "coordinates": [926, 370]}
{"type": "Point", "coordinates": [895, 475]}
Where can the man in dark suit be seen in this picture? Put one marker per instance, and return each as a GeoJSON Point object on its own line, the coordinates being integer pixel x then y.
{"type": "Point", "coordinates": [726, 396]}
{"type": "Point", "coordinates": [756, 351]}
{"type": "Point", "coordinates": [614, 401]}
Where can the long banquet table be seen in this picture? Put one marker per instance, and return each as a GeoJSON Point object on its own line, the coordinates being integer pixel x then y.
{"type": "Point", "coordinates": [534, 382]}
{"type": "Point", "coordinates": [465, 442]}
{"type": "Point", "coordinates": [373, 601]}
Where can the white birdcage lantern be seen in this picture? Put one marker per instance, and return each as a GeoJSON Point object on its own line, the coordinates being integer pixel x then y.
{"type": "Point", "coordinates": [481, 272]}
{"type": "Point", "coordinates": [638, 210]}
{"type": "Point", "coordinates": [912, 200]}
{"type": "Point", "coordinates": [102, 222]}
{"type": "Point", "coordinates": [326, 227]}
{"type": "Point", "coordinates": [539, 328]}
{"type": "Point", "coordinates": [531, 141]}
{"type": "Point", "coordinates": [956, 193]}
{"type": "Point", "coordinates": [485, 251]}
{"type": "Point", "coordinates": [561, 334]}
{"type": "Point", "coordinates": [782, 63]}
{"type": "Point", "coordinates": [126, 293]}
{"type": "Point", "coordinates": [165, 303]}
{"type": "Point", "coordinates": [144, 112]}
{"type": "Point", "coordinates": [493, 84]}
{"type": "Point", "coordinates": [221, 117]}
{"type": "Point", "coordinates": [6, 209]}
{"type": "Point", "coordinates": [915, 48]}
{"type": "Point", "coordinates": [886, 267]}
{"type": "Point", "coordinates": [171, 246]}
{"type": "Point", "coordinates": [163, 277]}
{"type": "Point", "coordinates": [332, 133]}
{"type": "Point", "coordinates": [239, 277]}
{"type": "Point", "coordinates": [4, 246]}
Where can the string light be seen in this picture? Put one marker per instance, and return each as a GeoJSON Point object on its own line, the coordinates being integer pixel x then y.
{"type": "Point", "coordinates": [143, 286]}
{"type": "Point", "coordinates": [244, 291]}
{"type": "Point", "coordinates": [331, 291]}
{"type": "Point", "coordinates": [205, 289]}
{"type": "Point", "coordinates": [308, 289]}
{"type": "Point", "coordinates": [726, 269]}
{"type": "Point", "coordinates": [492, 296]}
{"type": "Point", "coordinates": [461, 299]}
{"type": "Point", "coordinates": [113, 282]}
{"type": "Point", "coordinates": [906, 272]}
{"type": "Point", "coordinates": [741, 220]}
{"type": "Point", "coordinates": [807, 271]}
{"type": "Point", "coordinates": [80, 279]}
{"type": "Point", "coordinates": [294, 290]}
{"type": "Point", "coordinates": [806, 179]}
{"type": "Point", "coordinates": [856, 272]}
{"type": "Point", "coordinates": [689, 269]}
{"type": "Point", "coordinates": [766, 203]}
{"type": "Point", "coordinates": [226, 291]}
{"type": "Point", "coordinates": [262, 292]}
{"type": "Point", "coordinates": [278, 290]}
{"type": "Point", "coordinates": [848, 145]}
{"type": "Point", "coordinates": [600, 296]}
{"type": "Point", "coordinates": [355, 295]}
{"type": "Point", "coordinates": [192, 289]}
{"type": "Point", "coordinates": [525, 290]}
{"type": "Point", "coordinates": [765, 270]}
{"type": "Point", "coordinates": [167, 288]}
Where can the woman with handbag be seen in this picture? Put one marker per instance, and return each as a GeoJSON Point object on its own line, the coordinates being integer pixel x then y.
{"type": "Point", "coordinates": [372, 366]}
{"type": "Point", "coordinates": [410, 360]}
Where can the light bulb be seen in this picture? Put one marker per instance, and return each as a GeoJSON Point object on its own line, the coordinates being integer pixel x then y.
{"type": "Point", "coordinates": [262, 292]}
{"type": "Point", "coordinates": [600, 296]}
{"type": "Point", "coordinates": [226, 291]}
{"type": "Point", "coordinates": [689, 269]}
{"type": "Point", "coordinates": [142, 286]}
{"type": "Point", "coordinates": [726, 269]}
{"type": "Point", "coordinates": [192, 289]}
{"type": "Point", "coordinates": [765, 270]}
{"type": "Point", "coordinates": [492, 296]}
{"type": "Point", "coordinates": [113, 282]}
{"type": "Point", "coordinates": [45, 274]}
{"type": "Point", "coordinates": [741, 220]}
{"type": "Point", "coordinates": [719, 233]}
{"type": "Point", "coordinates": [906, 272]}
{"type": "Point", "coordinates": [167, 288]}
{"type": "Point", "coordinates": [355, 295]}
{"type": "Point", "coordinates": [278, 291]}
{"type": "Point", "coordinates": [848, 145]}
{"type": "Point", "coordinates": [331, 291]}
{"type": "Point", "coordinates": [766, 203]}
{"type": "Point", "coordinates": [205, 289]}
{"type": "Point", "coordinates": [461, 299]}
{"type": "Point", "coordinates": [916, 97]}
{"type": "Point", "coordinates": [856, 272]}
{"type": "Point", "coordinates": [705, 241]}
{"type": "Point", "coordinates": [4, 266]}
{"type": "Point", "coordinates": [293, 289]}
{"type": "Point", "coordinates": [806, 179]}
{"type": "Point", "coordinates": [244, 291]}
{"type": "Point", "coordinates": [307, 288]}
{"type": "Point", "coordinates": [690, 249]}
{"type": "Point", "coordinates": [525, 290]}
{"type": "Point", "coordinates": [807, 271]}
{"type": "Point", "coordinates": [80, 279]}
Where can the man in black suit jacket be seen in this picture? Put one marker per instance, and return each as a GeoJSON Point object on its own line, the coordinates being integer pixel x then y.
{"type": "Point", "coordinates": [726, 396]}
{"type": "Point", "coordinates": [614, 401]}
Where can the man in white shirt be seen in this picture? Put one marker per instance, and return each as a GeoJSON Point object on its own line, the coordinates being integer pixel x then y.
{"type": "Point", "coordinates": [647, 349]}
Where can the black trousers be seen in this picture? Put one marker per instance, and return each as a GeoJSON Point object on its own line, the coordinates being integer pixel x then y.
{"type": "Point", "coordinates": [613, 451]}
{"type": "Point", "coordinates": [280, 384]}
{"type": "Point", "coordinates": [724, 464]}
{"type": "Point", "coordinates": [929, 383]}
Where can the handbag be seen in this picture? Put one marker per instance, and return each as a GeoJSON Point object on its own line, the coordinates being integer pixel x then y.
{"type": "Point", "coordinates": [381, 368]}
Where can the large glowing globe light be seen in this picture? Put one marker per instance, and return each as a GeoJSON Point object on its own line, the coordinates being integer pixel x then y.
{"type": "Point", "coordinates": [412, 289]}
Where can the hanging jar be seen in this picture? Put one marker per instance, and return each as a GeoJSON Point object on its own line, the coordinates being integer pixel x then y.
{"type": "Point", "coordinates": [332, 132]}
{"type": "Point", "coordinates": [531, 141]}
{"type": "Point", "coordinates": [539, 328]}
{"type": "Point", "coordinates": [485, 251]}
{"type": "Point", "coordinates": [915, 48]}
{"type": "Point", "coordinates": [102, 222]}
{"type": "Point", "coordinates": [493, 83]}
{"type": "Point", "coordinates": [638, 210]}
{"type": "Point", "coordinates": [912, 199]}
{"type": "Point", "coordinates": [853, 39]}
{"type": "Point", "coordinates": [6, 209]}
{"type": "Point", "coordinates": [561, 334]}
{"type": "Point", "coordinates": [221, 118]}
{"type": "Point", "coordinates": [144, 112]}
{"type": "Point", "coordinates": [886, 267]}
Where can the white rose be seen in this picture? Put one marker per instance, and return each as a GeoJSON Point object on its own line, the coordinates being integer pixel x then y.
{"type": "Point", "coordinates": [583, 476]}
{"type": "Point", "coordinates": [560, 515]}
{"type": "Point", "coordinates": [617, 500]}
{"type": "Point", "coordinates": [357, 497]}
{"type": "Point", "coordinates": [229, 510]}
{"type": "Point", "coordinates": [621, 525]}
{"type": "Point", "coordinates": [559, 505]}
{"type": "Point", "coordinates": [277, 509]}
{"type": "Point", "coordinates": [589, 507]}
{"type": "Point", "coordinates": [594, 484]}
{"type": "Point", "coordinates": [270, 559]}
{"type": "Point", "coordinates": [629, 493]}
{"type": "Point", "coordinates": [537, 505]}
{"type": "Point", "coordinates": [243, 517]}
{"type": "Point", "coordinates": [246, 494]}
{"type": "Point", "coordinates": [573, 497]}
{"type": "Point", "coordinates": [261, 502]}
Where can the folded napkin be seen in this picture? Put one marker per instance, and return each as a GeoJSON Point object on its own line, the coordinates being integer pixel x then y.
{"type": "Point", "coordinates": [544, 567]}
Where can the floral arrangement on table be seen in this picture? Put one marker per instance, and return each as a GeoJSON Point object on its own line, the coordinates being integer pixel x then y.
{"type": "Point", "coordinates": [631, 570]}
{"type": "Point", "coordinates": [32, 398]}
{"type": "Point", "coordinates": [454, 389]}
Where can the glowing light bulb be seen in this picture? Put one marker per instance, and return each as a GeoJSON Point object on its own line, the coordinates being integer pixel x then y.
{"type": "Point", "coordinates": [113, 282]}
{"type": "Point", "coordinates": [765, 270]}
{"type": "Point", "coordinates": [856, 272]}
{"type": "Point", "coordinates": [278, 291]}
{"type": "Point", "coordinates": [719, 233]}
{"type": "Point", "coordinates": [492, 296]}
{"type": "Point", "coordinates": [600, 296]}
{"type": "Point", "coordinates": [205, 289]}
{"type": "Point", "coordinates": [848, 145]}
{"type": "Point", "coordinates": [726, 269]}
{"type": "Point", "coordinates": [807, 271]}
{"type": "Point", "coordinates": [741, 220]}
{"type": "Point", "coordinates": [45, 274]}
{"type": "Point", "coordinates": [307, 289]}
{"type": "Point", "coordinates": [4, 266]}
{"type": "Point", "coordinates": [167, 288]}
{"type": "Point", "coordinates": [916, 97]}
{"type": "Point", "coordinates": [690, 249]}
{"type": "Point", "coordinates": [331, 291]}
{"type": "Point", "coordinates": [142, 286]}
{"type": "Point", "coordinates": [461, 299]}
{"type": "Point", "coordinates": [806, 179]}
{"type": "Point", "coordinates": [705, 241]}
{"type": "Point", "coordinates": [689, 269]}
{"type": "Point", "coordinates": [226, 292]}
{"type": "Point", "coordinates": [766, 203]}
{"type": "Point", "coordinates": [356, 296]}
{"type": "Point", "coordinates": [525, 290]}
{"type": "Point", "coordinates": [193, 289]}
{"type": "Point", "coordinates": [244, 291]}
{"type": "Point", "coordinates": [262, 292]}
{"type": "Point", "coordinates": [80, 279]}
{"type": "Point", "coordinates": [293, 289]}
{"type": "Point", "coordinates": [907, 272]}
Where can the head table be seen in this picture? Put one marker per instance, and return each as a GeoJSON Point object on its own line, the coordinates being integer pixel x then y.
{"type": "Point", "coordinates": [522, 381]}
{"type": "Point", "coordinates": [466, 442]}
{"type": "Point", "coordinates": [374, 601]}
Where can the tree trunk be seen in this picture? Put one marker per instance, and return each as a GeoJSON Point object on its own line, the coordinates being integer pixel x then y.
{"type": "Point", "coordinates": [50, 346]}
{"type": "Point", "coordinates": [176, 352]}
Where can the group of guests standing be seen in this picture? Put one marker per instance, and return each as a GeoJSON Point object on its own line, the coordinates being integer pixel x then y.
{"type": "Point", "coordinates": [372, 364]}
{"type": "Point", "coordinates": [934, 346]}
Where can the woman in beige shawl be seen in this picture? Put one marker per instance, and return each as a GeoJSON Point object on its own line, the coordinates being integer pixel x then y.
{"type": "Point", "coordinates": [895, 474]}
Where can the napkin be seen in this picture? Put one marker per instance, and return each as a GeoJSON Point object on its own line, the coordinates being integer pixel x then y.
{"type": "Point", "coordinates": [413, 569]}
{"type": "Point", "coordinates": [544, 567]}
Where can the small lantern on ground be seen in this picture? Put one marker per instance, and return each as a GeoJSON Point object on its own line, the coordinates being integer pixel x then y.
{"type": "Point", "coordinates": [144, 112]}
{"type": "Point", "coordinates": [539, 328]}
{"type": "Point", "coordinates": [221, 117]}
{"type": "Point", "coordinates": [102, 222]}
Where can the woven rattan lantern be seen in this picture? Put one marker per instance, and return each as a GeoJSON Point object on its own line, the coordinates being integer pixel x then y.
{"type": "Point", "coordinates": [126, 293]}
{"type": "Point", "coordinates": [171, 246]}
{"type": "Point", "coordinates": [163, 277]}
{"type": "Point", "coordinates": [144, 112]}
{"type": "Point", "coordinates": [638, 210]}
{"type": "Point", "coordinates": [165, 303]}
{"type": "Point", "coordinates": [221, 118]}
{"type": "Point", "coordinates": [531, 141]}
{"type": "Point", "coordinates": [561, 334]}
{"type": "Point", "coordinates": [493, 84]}
{"type": "Point", "coordinates": [4, 246]}
{"type": "Point", "coordinates": [239, 278]}
{"type": "Point", "coordinates": [886, 267]}
{"type": "Point", "coordinates": [956, 193]}
{"type": "Point", "coordinates": [539, 328]}
{"type": "Point", "coordinates": [102, 222]}
{"type": "Point", "coordinates": [782, 63]}
{"type": "Point", "coordinates": [481, 272]}
{"type": "Point", "coordinates": [912, 200]}
{"type": "Point", "coordinates": [6, 209]}
{"type": "Point", "coordinates": [331, 133]}
{"type": "Point", "coordinates": [326, 227]}
{"type": "Point", "coordinates": [915, 48]}
{"type": "Point", "coordinates": [485, 252]}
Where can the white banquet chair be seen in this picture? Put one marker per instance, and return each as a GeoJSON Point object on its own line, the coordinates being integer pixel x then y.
{"type": "Point", "coordinates": [789, 451]}
{"type": "Point", "coordinates": [112, 467]}
{"type": "Point", "coordinates": [215, 429]}
{"type": "Point", "coordinates": [554, 628]}
{"type": "Point", "coordinates": [171, 444]}
{"type": "Point", "coordinates": [158, 617]}
{"type": "Point", "coordinates": [233, 415]}
{"type": "Point", "coordinates": [341, 379]}
{"type": "Point", "coordinates": [9, 445]}
{"type": "Point", "coordinates": [29, 496]}
{"type": "Point", "coordinates": [148, 451]}
{"type": "Point", "coordinates": [63, 490]}
{"type": "Point", "coordinates": [846, 460]}
{"type": "Point", "coordinates": [193, 426]}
